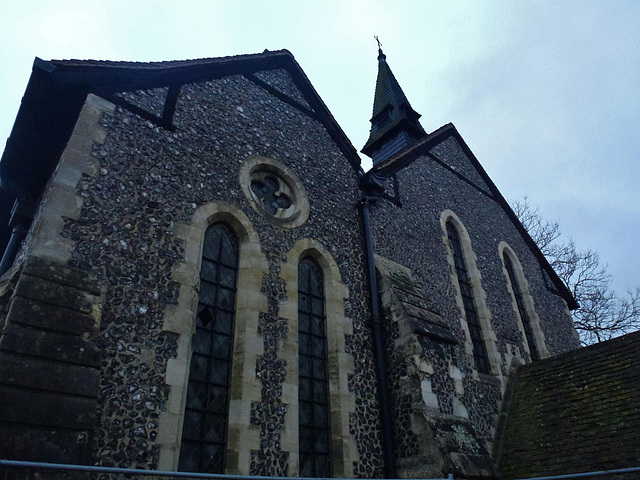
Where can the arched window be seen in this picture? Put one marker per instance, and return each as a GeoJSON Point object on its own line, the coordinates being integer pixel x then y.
{"type": "Point", "coordinates": [524, 316]}
{"type": "Point", "coordinates": [204, 433]}
{"type": "Point", "coordinates": [466, 291]}
{"type": "Point", "coordinates": [313, 386]}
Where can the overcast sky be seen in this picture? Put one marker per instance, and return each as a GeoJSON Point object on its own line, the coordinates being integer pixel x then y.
{"type": "Point", "coordinates": [546, 93]}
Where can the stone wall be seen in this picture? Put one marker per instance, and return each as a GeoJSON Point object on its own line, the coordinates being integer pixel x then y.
{"type": "Point", "coordinates": [49, 363]}
{"type": "Point", "coordinates": [577, 412]}
{"type": "Point", "coordinates": [429, 443]}
{"type": "Point", "coordinates": [127, 209]}
{"type": "Point", "coordinates": [414, 236]}
{"type": "Point", "coordinates": [137, 196]}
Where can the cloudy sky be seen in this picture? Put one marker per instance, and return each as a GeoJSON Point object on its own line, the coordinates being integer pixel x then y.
{"type": "Point", "coordinates": [546, 93]}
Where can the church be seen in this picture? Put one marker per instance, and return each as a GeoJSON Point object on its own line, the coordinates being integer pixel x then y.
{"type": "Point", "coordinates": [198, 275]}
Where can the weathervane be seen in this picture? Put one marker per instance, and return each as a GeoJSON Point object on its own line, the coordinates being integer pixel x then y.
{"type": "Point", "coordinates": [378, 40]}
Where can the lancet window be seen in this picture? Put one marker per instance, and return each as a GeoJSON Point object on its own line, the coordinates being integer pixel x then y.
{"type": "Point", "coordinates": [524, 316]}
{"type": "Point", "coordinates": [313, 387]}
{"type": "Point", "coordinates": [204, 434]}
{"type": "Point", "coordinates": [466, 290]}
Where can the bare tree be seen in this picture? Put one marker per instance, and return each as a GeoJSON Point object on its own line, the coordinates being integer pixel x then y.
{"type": "Point", "coordinates": [602, 313]}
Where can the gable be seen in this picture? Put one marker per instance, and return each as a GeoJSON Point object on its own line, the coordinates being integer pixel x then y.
{"type": "Point", "coordinates": [449, 155]}
{"type": "Point", "coordinates": [446, 150]}
{"type": "Point", "coordinates": [57, 90]}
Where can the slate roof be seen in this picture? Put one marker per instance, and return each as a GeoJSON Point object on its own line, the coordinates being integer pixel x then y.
{"type": "Point", "coordinates": [388, 90]}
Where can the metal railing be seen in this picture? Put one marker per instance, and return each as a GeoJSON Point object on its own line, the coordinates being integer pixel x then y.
{"type": "Point", "coordinates": [623, 472]}
{"type": "Point", "coordinates": [19, 470]}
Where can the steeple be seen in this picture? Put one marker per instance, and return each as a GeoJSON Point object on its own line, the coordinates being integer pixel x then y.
{"type": "Point", "coordinates": [394, 124]}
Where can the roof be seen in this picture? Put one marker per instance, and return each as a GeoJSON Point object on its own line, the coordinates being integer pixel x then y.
{"type": "Point", "coordinates": [576, 412]}
{"type": "Point", "coordinates": [392, 115]}
{"type": "Point", "coordinates": [422, 148]}
{"type": "Point", "coordinates": [388, 90]}
{"type": "Point", "coordinates": [57, 90]}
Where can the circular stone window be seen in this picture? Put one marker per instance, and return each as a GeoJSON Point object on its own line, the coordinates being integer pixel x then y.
{"type": "Point", "coordinates": [274, 191]}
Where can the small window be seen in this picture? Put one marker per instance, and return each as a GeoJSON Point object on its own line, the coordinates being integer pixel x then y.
{"type": "Point", "coordinates": [524, 316]}
{"type": "Point", "coordinates": [313, 386]}
{"type": "Point", "coordinates": [466, 290]}
{"type": "Point", "coordinates": [204, 432]}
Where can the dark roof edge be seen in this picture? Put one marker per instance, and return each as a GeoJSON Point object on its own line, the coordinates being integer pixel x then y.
{"type": "Point", "coordinates": [623, 345]}
{"type": "Point", "coordinates": [563, 290]}
{"type": "Point", "coordinates": [403, 159]}
{"type": "Point", "coordinates": [397, 162]}
{"type": "Point", "coordinates": [106, 74]}
{"type": "Point", "coordinates": [43, 65]}
{"type": "Point", "coordinates": [75, 78]}
{"type": "Point", "coordinates": [331, 124]}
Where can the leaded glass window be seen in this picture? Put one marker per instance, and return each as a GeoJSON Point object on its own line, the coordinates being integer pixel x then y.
{"type": "Point", "coordinates": [313, 392]}
{"type": "Point", "coordinates": [206, 414]}
{"type": "Point", "coordinates": [524, 316]}
{"type": "Point", "coordinates": [466, 290]}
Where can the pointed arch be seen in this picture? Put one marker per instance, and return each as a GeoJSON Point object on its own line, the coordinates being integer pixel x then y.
{"type": "Point", "coordinates": [181, 319]}
{"type": "Point", "coordinates": [343, 450]}
{"type": "Point", "coordinates": [475, 317]}
{"type": "Point", "coordinates": [204, 431]}
{"type": "Point", "coordinates": [522, 303]}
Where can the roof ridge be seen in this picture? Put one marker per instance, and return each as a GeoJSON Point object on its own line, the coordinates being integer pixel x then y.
{"type": "Point", "coordinates": [74, 62]}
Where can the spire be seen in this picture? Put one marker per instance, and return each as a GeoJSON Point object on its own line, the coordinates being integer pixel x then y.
{"type": "Point", "coordinates": [394, 124]}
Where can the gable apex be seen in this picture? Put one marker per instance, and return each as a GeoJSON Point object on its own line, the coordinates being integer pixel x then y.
{"type": "Point", "coordinates": [57, 90]}
{"type": "Point", "coordinates": [424, 147]}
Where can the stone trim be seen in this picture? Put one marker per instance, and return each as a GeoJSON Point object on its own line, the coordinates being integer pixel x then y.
{"type": "Point", "coordinates": [61, 199]}
{"type": "Point", "coordinates": [180, 319]}
{"type": "Point", "coordinates": [479, 295]}
{"type": "Point", "coordinates": [414, 400]}
{"type": "Point", "coordinates": [54, 315]}
{"type": "Point", "coordinates": [342, 402]}
{"type": "Point", "coordinates": [527, 299]}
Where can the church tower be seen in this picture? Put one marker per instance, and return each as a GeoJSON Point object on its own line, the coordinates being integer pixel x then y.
{"type": "Point", "coordinates": [394, 124]}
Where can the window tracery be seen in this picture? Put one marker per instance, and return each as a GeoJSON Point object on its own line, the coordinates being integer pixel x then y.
{"type": "Point", "coordinates": [204, 432]}
{"type": "Point", "coordinates": [274, 190]}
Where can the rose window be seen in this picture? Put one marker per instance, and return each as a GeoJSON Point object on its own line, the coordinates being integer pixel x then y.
{"type": "Point", "coordinates": [270, 193]}
{"type": "Point", "coordinates": [274, 190]}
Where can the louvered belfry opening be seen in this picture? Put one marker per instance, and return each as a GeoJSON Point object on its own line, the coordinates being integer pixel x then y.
{"type": "Point", "coordinates": [524, 316]}
{"type": "Point", "coordinates": [466, 290]}
{"type": "Point", "coordinates": [204, 434]}
{"type": "Point", "coordinates": [313, 392]}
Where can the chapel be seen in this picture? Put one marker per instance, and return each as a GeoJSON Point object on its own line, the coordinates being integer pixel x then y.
{"type": "Point", "coordinates": [198, 275]}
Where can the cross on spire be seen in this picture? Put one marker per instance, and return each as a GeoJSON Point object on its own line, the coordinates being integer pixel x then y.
{"type": "Point", "coordinates": [381, 56]}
